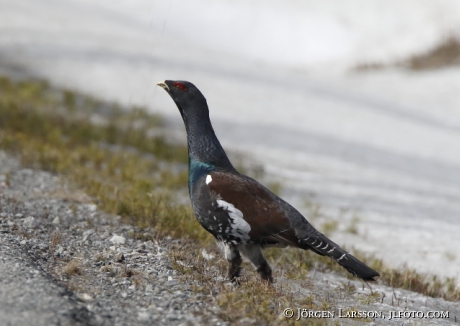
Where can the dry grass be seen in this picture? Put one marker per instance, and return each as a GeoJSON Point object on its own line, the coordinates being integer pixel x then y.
{"type": "Point", "coordinates": [444, 54]}
{"type": "Point", "coordinates": [129, 169]}
{"type": "Point", "coordinates": [252, 302]}
{"type": "Point", "coordinates": [108, 269]}
{"type": "Point", "coordinates": [55, 240]}
{"type": "Point", "coordinates": [125, 271]}
{"type": "Point", "coordinates": [73, 267]}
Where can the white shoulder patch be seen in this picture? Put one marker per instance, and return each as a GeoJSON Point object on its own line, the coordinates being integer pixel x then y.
{"type": "Point", "coordinates": [239, 227]}
{"type": "Point", "coordinates": [208, 179]}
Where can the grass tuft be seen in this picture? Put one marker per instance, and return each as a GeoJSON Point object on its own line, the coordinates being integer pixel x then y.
{"type": "Point", "coordinates": [72, 268]}
{"type": "Point", "coordinates": [445, 54]}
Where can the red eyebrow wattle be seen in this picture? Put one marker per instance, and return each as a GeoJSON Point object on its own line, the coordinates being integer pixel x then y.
{"type": "Point", "coordinates": [180, 85]}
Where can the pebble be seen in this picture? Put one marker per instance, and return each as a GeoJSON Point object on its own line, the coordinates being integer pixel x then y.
{"type": "Point", "coordinates": [117, 239]}
{"type": "Point", "coordinates": [172, 283]}
{"type": "Point", "coordinates": [143, 315]}
{"type": "Point", "coordinates": [120, 258]}
{"type": "Point", "coordinates": [29, 222]}
{"type": "Point", "coordinates": [85, 297]}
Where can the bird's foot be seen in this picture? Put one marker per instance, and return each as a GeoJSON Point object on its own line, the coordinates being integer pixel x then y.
{"type": "Point", "coordinates": [265, 272]}
{"type": "Point", "coordinates": [234, 270]}
{"type": "Point", "coordinates": [235, 280]}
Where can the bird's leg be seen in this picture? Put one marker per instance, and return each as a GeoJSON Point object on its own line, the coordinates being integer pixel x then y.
{"type": "Point", "coordinates": [265, 271]}
{"type": "Point", "coordinates": [254, 254]}
{"type": "Point", "coordinates": [234, 269]}
{"type": "Point", "coordinates": [234, 258]}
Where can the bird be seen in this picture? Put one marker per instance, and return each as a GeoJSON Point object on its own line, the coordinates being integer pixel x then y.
{"type": "Point", "coordinates": [244, 216]}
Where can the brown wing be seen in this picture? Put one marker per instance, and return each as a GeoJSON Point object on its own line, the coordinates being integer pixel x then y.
{"type": "Point", "coordinates": [261, 210]}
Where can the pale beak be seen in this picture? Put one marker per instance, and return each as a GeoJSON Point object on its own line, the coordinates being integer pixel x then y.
{"type": "Point", "coordinates": [163, 85]}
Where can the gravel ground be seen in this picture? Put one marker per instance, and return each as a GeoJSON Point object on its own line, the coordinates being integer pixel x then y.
{"type": "Point", "coordinates": [63, 262]}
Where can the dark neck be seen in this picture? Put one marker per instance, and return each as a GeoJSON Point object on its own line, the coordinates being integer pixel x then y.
{"type": "Point", "coordinates": [203, 145]}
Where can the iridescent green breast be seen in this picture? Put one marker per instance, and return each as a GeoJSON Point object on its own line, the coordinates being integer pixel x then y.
{"type": "Point", "coordinates": [196, 170]}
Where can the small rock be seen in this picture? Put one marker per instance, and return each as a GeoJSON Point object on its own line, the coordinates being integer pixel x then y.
{"type": "Point", "coordinates": [88, 232]}
{"type": "Point", "coordinates": [207, 256]}
{"type": "Point", "coordinates": [42, 246]}
{"type": "Point", "coordinates": [111, 274]}
{"type": "Point", "coordinates": [119, 258]}
{"type": "Point", "coordinates": [172, 283]}
{"type": "Point", "coordinates": [56, 220]}
{"type": "Point", "coordinates": [143, 315]}
{"type": "Point", "coordinates": [184, 264]}
{"type": "Point", "coordinates": [92, 207]}
{"type": "Point", "coordinates": [149, 288]}
{"type": "Point", "coordinates": [85, 297]}
{"type": "Point", "coordinates": [18, 215]}
{"type": "Point", "coordinates": [29, 222]}
{"type": "Point", "coordinates": [247, 321]}
{"type": "Point", "coordinates": [59, 251]}
{"type": "Point", "coordinates": [117, 239]}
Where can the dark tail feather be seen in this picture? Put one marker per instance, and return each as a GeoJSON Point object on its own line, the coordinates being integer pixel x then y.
{"type": "Point", "coordinates": [356, 267]}
{"type": "Point", "coordinates": [323, 246]}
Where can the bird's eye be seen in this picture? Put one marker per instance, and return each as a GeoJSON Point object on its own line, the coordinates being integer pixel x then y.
{"type": "Point", "coordinates": [180, 85]}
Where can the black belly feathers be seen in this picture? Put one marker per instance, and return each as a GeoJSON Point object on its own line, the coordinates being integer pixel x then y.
{"type": "Point", "coordinates": [239, 212]}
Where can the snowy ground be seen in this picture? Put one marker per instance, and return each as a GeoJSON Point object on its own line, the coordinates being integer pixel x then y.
{"type": "Point", "coordinates": [384, 145]}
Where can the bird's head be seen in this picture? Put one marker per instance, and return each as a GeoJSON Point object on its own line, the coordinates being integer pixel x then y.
{"type": "Point", "coordinates": [187, 97]}
{"type": "Point", "coordinates": [202, 142]}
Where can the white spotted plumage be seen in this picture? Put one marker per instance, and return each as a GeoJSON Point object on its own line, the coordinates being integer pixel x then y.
{"type": "Point", "coordinates": [228, 252]}
{"type": "Point", "coordinates": [331, 250]}
{"type": "Point", "coordinates": [208, 179]}
{"type": "Point", "coordinates": [239, 227]}
{"type": "Point", "coordinates": [341, 258]}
